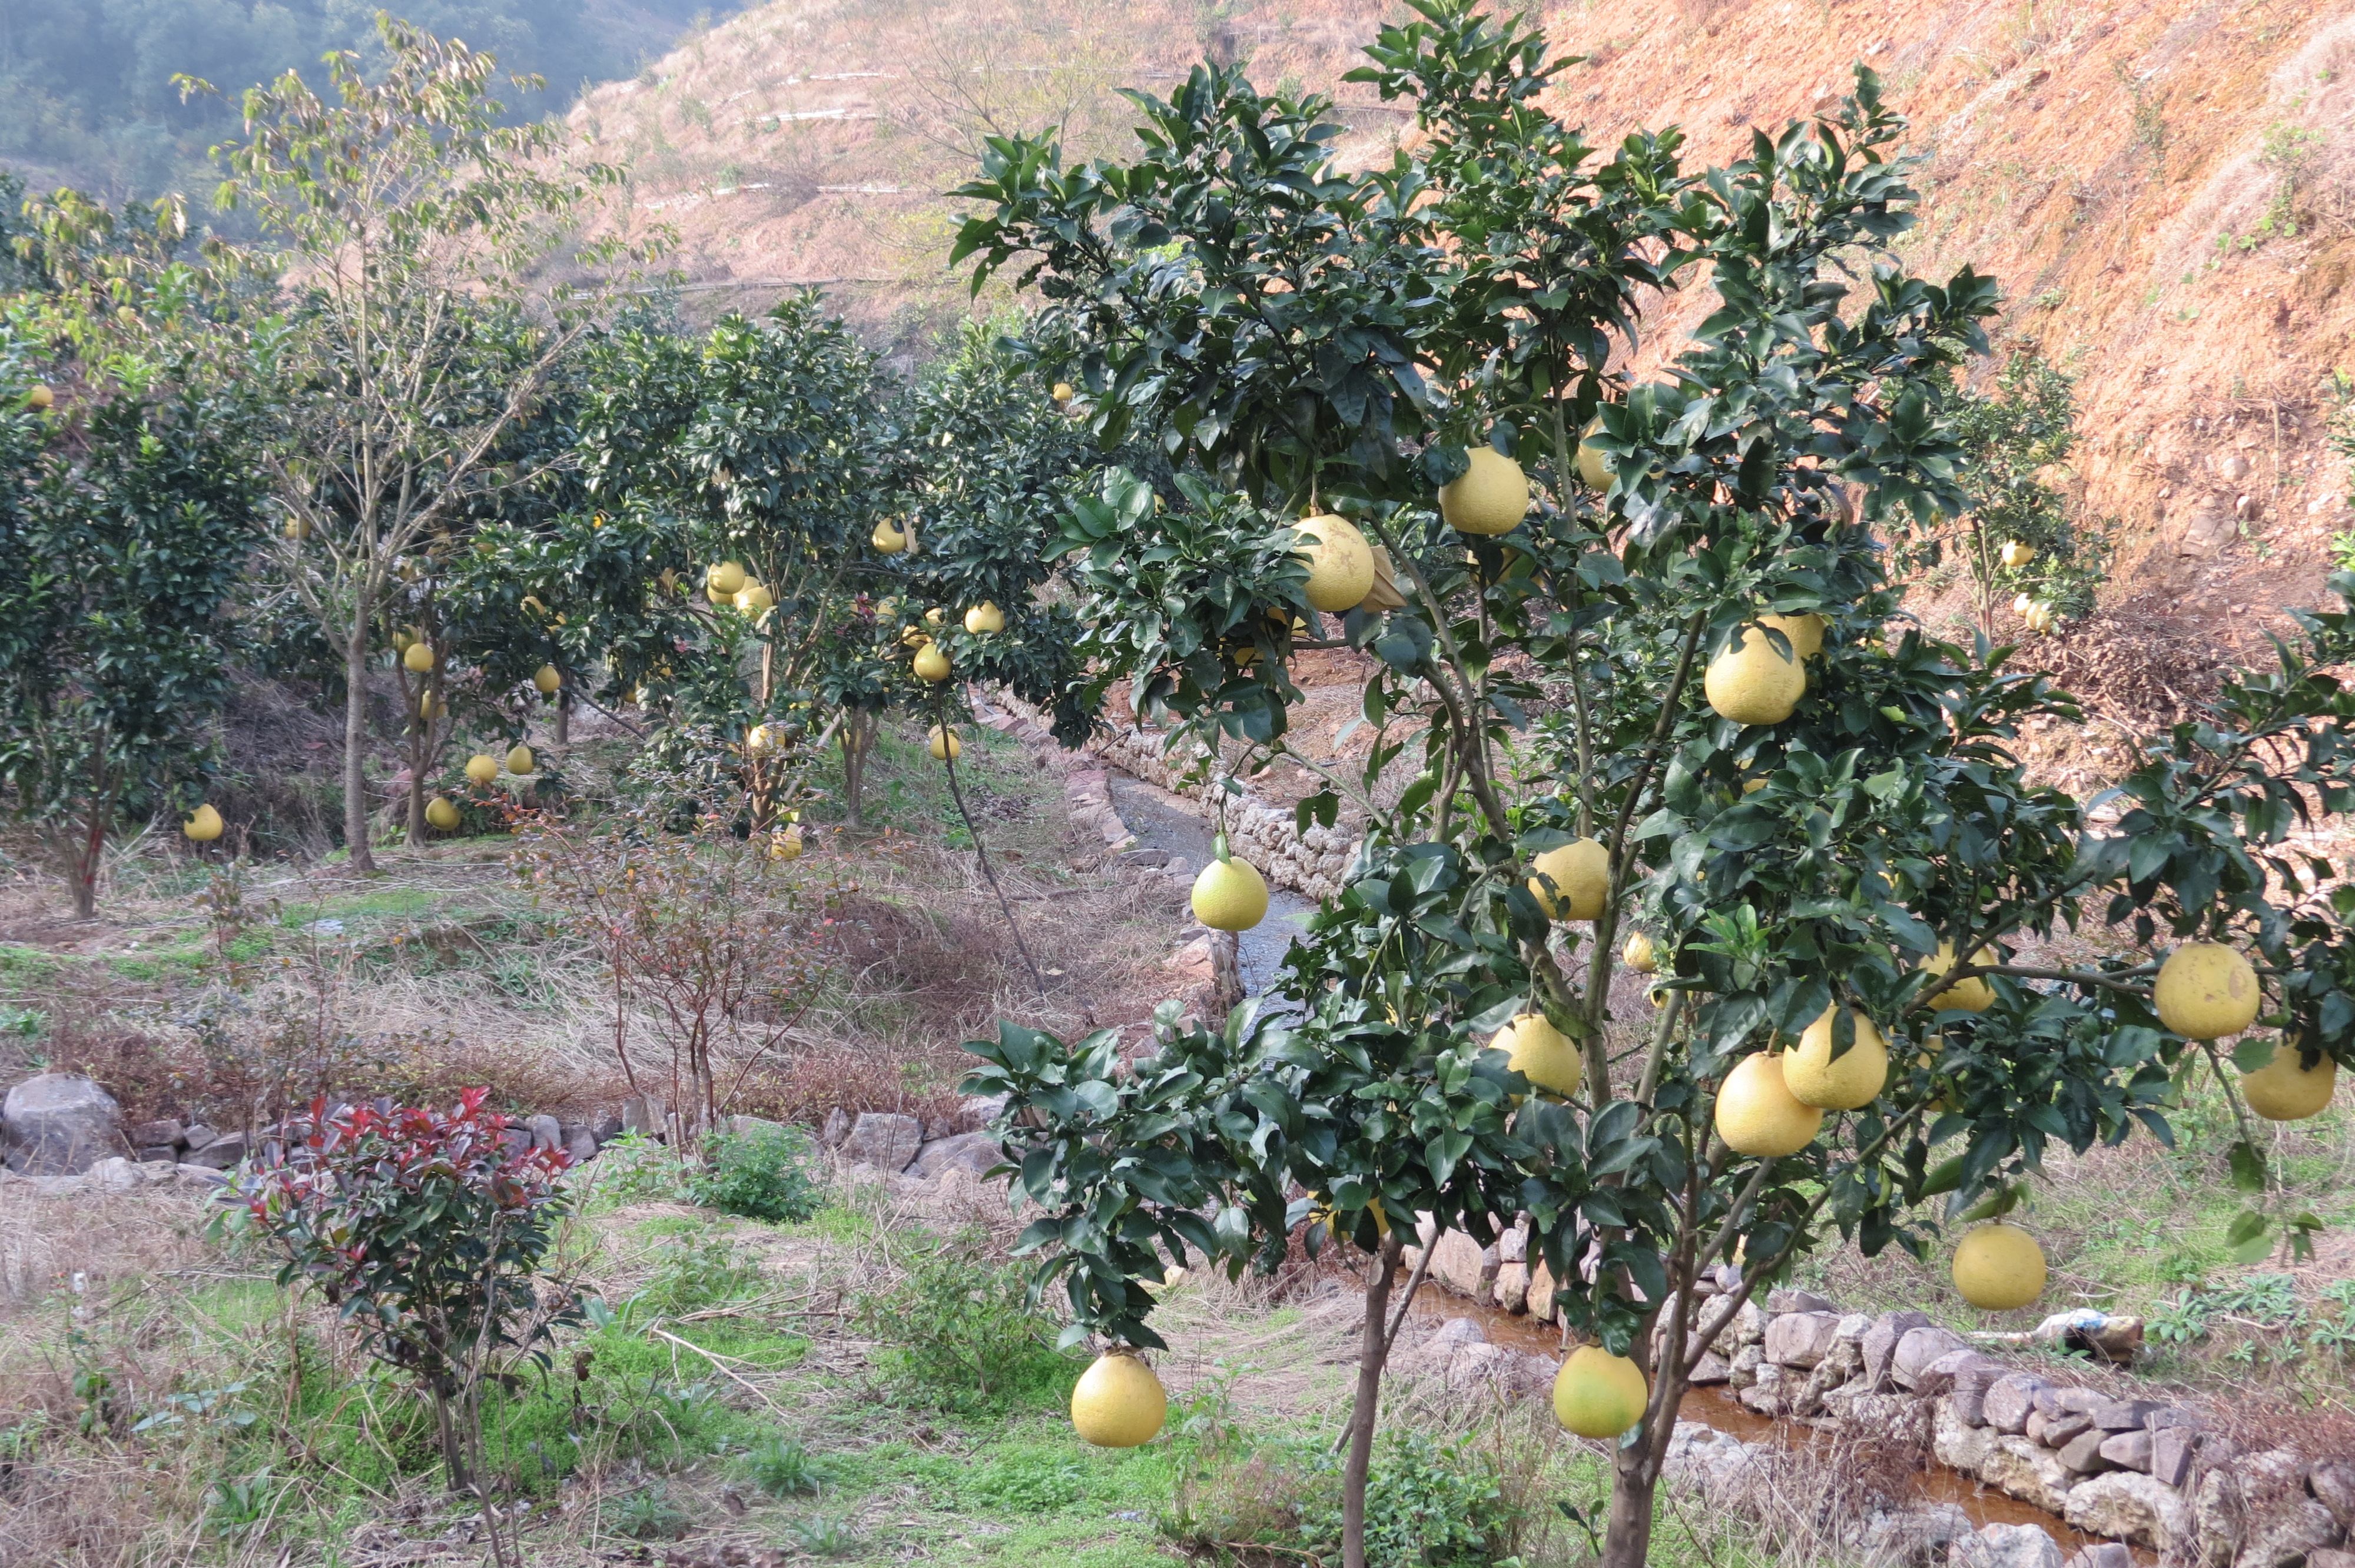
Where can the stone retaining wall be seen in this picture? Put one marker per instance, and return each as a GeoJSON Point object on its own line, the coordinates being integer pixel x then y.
{"type": "Point", "coordinates": [1309, 863]}
{"type": "Point", "coordinates": [2153, 1473]}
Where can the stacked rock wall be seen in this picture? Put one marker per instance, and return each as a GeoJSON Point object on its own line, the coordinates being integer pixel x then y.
{"type": "Point", "coordinates": [2152, 1473]}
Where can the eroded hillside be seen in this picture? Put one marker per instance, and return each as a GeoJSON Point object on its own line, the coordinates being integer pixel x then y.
{"type": "Point", "coordinates": [2165, 188]}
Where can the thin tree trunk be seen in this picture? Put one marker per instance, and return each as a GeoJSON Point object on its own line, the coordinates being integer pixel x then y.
{"type": "Point", "coordinates": [563, 730]}
{"type": "Point", "coordinates": [356, 806]}
{"type": "Point", "coordinates": [855, 732]}
{"type": "Point", "coordinates": [85, 870]}
{"type": "Point", "coordinates": [420, 736]}
{"type": "Point", "coordinates": [1373, 1353]}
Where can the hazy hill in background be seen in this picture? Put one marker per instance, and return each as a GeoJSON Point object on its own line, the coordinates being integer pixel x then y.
{"type": "Point", "coordinates": [86, 94]}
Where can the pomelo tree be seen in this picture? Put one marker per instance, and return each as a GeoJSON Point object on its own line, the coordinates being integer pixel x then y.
{"type": "Point", "coordinates": [1656, 682]}
{"type": "Point", "coordinates": [131, 498]}
{"type": "Point", "coordinates": [414, 234]}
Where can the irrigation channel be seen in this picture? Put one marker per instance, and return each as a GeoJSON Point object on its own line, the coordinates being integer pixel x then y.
{"type": "Point", "coordinates": [1168, 822]}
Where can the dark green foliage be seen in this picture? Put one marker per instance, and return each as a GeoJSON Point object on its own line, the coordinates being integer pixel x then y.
{"type": "Point", "coordinates": [783, 1467]}
{"type": "Point", "coordinates": [127, 511]}
{"type": "Point", "coordinates": [760, 1175]}
{"type": "Point", "coordinates": [957, 1333]}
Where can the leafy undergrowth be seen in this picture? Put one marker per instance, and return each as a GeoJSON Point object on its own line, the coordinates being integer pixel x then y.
{"type": "Point", "coordinates": [861, 1386]}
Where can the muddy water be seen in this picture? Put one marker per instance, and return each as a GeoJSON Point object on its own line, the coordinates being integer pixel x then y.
{"type": "Point", "coordinates": [1718, 1408]}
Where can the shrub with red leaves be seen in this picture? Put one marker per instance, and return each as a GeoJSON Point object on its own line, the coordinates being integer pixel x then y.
{"type": "Point", "coordinates": [427, 1231]}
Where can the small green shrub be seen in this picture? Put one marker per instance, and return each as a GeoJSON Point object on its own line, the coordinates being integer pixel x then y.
{"type": "Point", "coordinates": [818, 1536]}
{"type": "Point", "coordinates": [760, 1174]}
{"type": "Point", "coordinates": [649, 1515]}
{"type": "Point", "coordinates": [1428, 1503]}
{"type": "Point", "coordinates": [699, 1275]}
{"type": "Point", "coordinates": [783, 1467]}
{"type": "Point", "coordinates": [1029, 1481]}
{"type": "Point", "coordinates": [634, 1169]}
{"type": "Point", "coordinates": [957, 1333]}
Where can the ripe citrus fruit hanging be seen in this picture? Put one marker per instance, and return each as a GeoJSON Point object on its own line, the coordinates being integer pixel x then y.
{"type": "Point", "coordinates": [481, 769]}
{"type": "Point", "coordinates": [1230, 896]}
{"type": "Point", "coordinates": [1593, 464]}
{"type": "Point", "coordinates": [439, 813]}
{"type": "Point", "coordinates": [723, 580]}
{"type": "Point", "coordinates": [1534, 1048]}
{"type": "Point", "coordinates": [548, 678]}
{"type": "Point", "coordinates": [2282, 1091]}
{"type": "Point", "coordinates": [1488, 498]}
{"type": "Point", "coordinates": [419, 658]}
{"type": "Point", "coordinates": [1973, 995]}
{"type": "Point", "coordinates": [2207, 991]}
{"type": "Point", "coordinates": [1340, 563]}
{"type": "Point", "coordinates": [1118, 1403]}
{"type": "Point", "coordinates": [944, 745]}
{"type": "Point", "coordinates": [1639, 954]}
{"type": "Point", "coordinates": [1581, 873]}
{"type": "Point", "coordinates": [1597, 1394]}
{"type": "Point", "coordinates": [1758, 1115]}
{"type": "Point", "coordinates": [204, 824]}
{"type": "Point", "coordinates": [1999, 1267]}
{"type": "Point", "coordinates": [519, 759]}
{"type": "Point", "coordinates": [932, 664]}
{"type": "Point", "coordinates": [1752, 681]}
{"type": "Point", "coordinates": [887, 539]}
{"type": "Point", "coordinates": [1849, 1083]}
{"type": "Point", "coordinates": [984, 618]}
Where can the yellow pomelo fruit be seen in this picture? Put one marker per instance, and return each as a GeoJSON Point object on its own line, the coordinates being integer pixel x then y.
{"type": "Point", "coordinates": [431, 707]}
{"type": "Point", "coordinates": [2279, 1091]}
{"type": "Point", "coordinates": [40, 397]}
{"type": "Point", "coordinates": [1752, 786]}
{"type": "Point", "coordinates": [1063, 392]}
{"type": "Point", "coordinates": [1597, 1394]}
{"type": "Point", "coordinates": [1999, 1267]}
{"type": "Point", "coordinates": [1639, 955]}
{"type": "Point", "coordinates": [912, 637]}
{"type": "Point", "coordinates": [753, 597]}
{"type": "Point", "coordinates": [297, 529]}
{"type": "Point", "coordinates": [1230, 896]}
{"type": "Point", "coordinates": [481, 769]}
{"type": "Point", "coordinates": [932, 664]}
{"type": "Point", "coordinates": [887, 539]}
{"type": "Point", "coordinates": [549, 679]}
{"type": "Point", "coordinates": [1340, 563]}
{"type": "Point", "coordinates": [1594, 467]}
{"type": "Point", "coordinates": [1752, 681]}
{"type": "Point", "coordinates": [934, 616]}
{"type": "Point", "coordinates": [1976, 994]}
{"type": "Point", "coordinates": [985, 618]}
{"type": "Point", "coordinates": [2207, 991]}
{"type": "Point", "coordinates": [724, 579]}
{"type": "Point", "coordinates": [786, 845]}
{"type": "Point", "coordinates": [1758, 1115]}
{"type": "Point", "coordinates": [2022, 605]}
{"type": "Point", "coordinates": [944, 745]}
{"type": "Point", "coordinates": [204, 824]}
{"type": "Point", "coordinates": [1118, 1403]}
{"type": "Point", "coordinates": [1491, 497]}
{"type": "Point", "coordinates": [1850, 1083]}
{"type": "Point", "coordinates": [439, 813]}
{"type": "Point", "coordinates": [1539, 1053]}
{"type": "Point", "coordinates": [762, 740]}
{"type": "Point", "coordinates": [419, 657]}
{"type": "Point", "coordinates": [1806, 632]}
{"type": "Point", "coordinates": [1580, 871]}
{"type": "Point", "coordinates": [519, 759]}
{"type": "Point", "coordinates": [2015, 554]}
